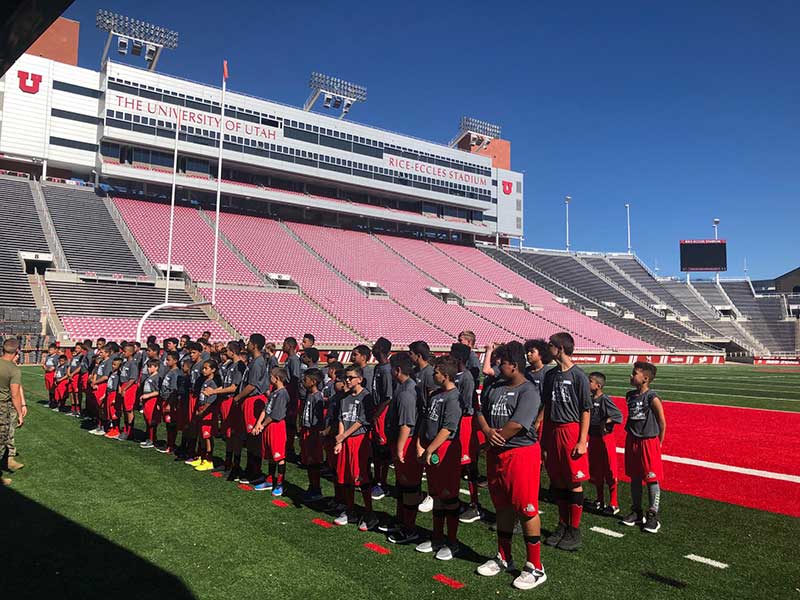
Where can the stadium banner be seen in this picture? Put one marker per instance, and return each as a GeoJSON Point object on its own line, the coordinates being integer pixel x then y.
{"type": "Point", "coordinates": [189, 117]}
{"type": "Point", "coordinates": [777, 360]}
{"type": "Point", "coordinates": [657, 359]}
{"type": "Point", "coordinates": [409, 165]}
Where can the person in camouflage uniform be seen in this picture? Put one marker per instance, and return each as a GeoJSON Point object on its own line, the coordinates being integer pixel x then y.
{"type": "Point", "coordinates": [12, 405]}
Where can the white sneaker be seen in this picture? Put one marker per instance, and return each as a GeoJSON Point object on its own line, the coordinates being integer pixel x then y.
{"type": "Point", "coordinates": [426, 505]}
{"type": "Point", "coordinates": [341, 519]}
{"type": "Point", "coordinates": [530, 578]}
{"type": "Point", "coordinates": [448, 551]}
{"type": "Point", "coordinates": [495, 566]}
{"type": "Point", "coordinates": [98, 431]}
{"type": "Point", "coordinates": [428, 546]}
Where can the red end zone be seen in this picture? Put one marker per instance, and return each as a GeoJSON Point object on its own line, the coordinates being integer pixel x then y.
{"type": "Point", "coordinates": [736, 437]}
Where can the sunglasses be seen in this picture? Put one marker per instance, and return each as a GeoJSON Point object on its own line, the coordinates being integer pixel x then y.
{"type": "Point", "coordinates": [350, 377]}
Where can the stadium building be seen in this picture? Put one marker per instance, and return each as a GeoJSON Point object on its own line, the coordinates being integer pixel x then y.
{"type": "Point", "coordinates": [327, 226]}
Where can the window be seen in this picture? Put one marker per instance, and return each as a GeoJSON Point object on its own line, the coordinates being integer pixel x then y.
{"type": "Point", "coordinates": [65, 114]}
{"type": "Point", "coordinates": [57, 141]}
{"type": "Point", "coordinates": [76, 89]}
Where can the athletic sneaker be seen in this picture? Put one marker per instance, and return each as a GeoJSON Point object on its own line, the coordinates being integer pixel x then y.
{"type": "Point", "coordinates": [634, 518]}
{"type": "Point", "coordinates": [234, 474]}
{"type": "Point", "coordinates": [554, 538]}
{"type": "Point", "coordinates": [470, 515]}
{"type": "Point", "coordinates": [426, 505]}
{"type": "Point", "coordinates": [342, 519]}
{"type": "Point", "coordinates": [389, 526]}
{"type": "Point", "coordinates": [530, 577]}
{"type": "Point", "coordinates": [449, 551]}
{"type": "Point", "coordinates": [147, 444]}
{"type": "Point", "coordinates": [205, 465]}
{"type": "Point", "coordinates": [312, 496]}
{"type": "Point", "coordinates": [378, 493]}
{"type": "Point", "coordinates": [403, 537]}
{"type": "Point", "coordinates": [122, 436]}
{"type": "Point", "coordinates": [245, 480]}
{"type": "Point", "coordinates": [429, 546]}
{"type": "Point", "coordinates": [277, 490]}
{"type": "Point", "coordinates": [97, 431]}
{"type": "Point", "coordinates": [495, 566]}
{"type": "Point", "coordinates": [261, 487]}
{"type": "Point", "coordinates": [193, 462]}
{"type": "Point", "coordinates": [112, 433]}
{"type": "Point", "coordinates": [610, 511]}
{"type": "Point", "coordinates": [593, 505]}
{"type": "Point", "coordinates": [165, 449]}
{"type": "Point", "coordinates": [651, 522]}
{"type": "Point", "coordinates": [368, 522]}
{"type": "Point", "coordinates": [571, 540]}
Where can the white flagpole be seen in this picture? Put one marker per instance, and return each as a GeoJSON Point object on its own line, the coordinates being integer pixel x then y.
{"type": "Point", "coordinates": [219, 184]}
{"type": "Point", "coordinates": [172, 205]}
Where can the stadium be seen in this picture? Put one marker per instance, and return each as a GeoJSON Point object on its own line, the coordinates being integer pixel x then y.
{"type": "Point", "coordinates": [123, 220]}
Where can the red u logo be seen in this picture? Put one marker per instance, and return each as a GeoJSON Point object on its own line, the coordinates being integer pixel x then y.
{"type": "Point", "coordinates": [31, 87]}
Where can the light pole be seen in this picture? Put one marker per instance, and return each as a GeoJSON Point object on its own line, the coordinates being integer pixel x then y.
{"type": "Point", "coordinates": [716, 237]}
{"type": "Point", "coordinates": [567, 200]}
{"type": "Point", "coordinates": [628, 215]}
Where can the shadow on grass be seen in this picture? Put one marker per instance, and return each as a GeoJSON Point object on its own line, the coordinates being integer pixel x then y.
{"type": "Point", "coordinates": [44, 555]}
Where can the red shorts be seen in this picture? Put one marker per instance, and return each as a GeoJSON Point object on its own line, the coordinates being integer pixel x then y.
{"type": "Point", "coordinates": [61, 390]}
{"type": "Point", "coordinates": [205, 423]}
{"type": "Point", "coordinates": [379, 429]}
{"type": "Point", "coordinates": [513, 477]}
{"type": "Point", "coordinates": [226, 414]}
{"type": "Point", "coordinates": [252, 407]}
{"type": "Point", "coordinates": [168, 411]}
{"type": "Point", "coordinates": [310, 446]}
{"type": "Point", "coordinates": [110, 405]}
{"type": "Point", "coordinates": [444, 477]}
{"type": "Point", "coordinates": [468, 436]}
{"type": "Point", "coordinates": [152, 411]}
{"type": "Point", "coordinates": [74, 384]}
{"type": "Point", "coordinates": [352, 463]}
{"type": "Point", "coordinates": [84, 381]}
{"type": "Point", "coordinates": [185, 411]}
{"type": "Point", "coordinates": [49, 380]}
{"type": "Point", "coordinates": [643, 459]}
{"type": "Point", "coordinates": [273, 446]}
{"type": "Point", "coordinates": [129, 397]}
{"type": "Point", "coordinates": [602, 459]}
{"type": "Point", "coordinates": [409, 472]}
{"type": "Point", "coordinates": [99, 394]}
{"type": "Point", "coordinates": [561, 466]}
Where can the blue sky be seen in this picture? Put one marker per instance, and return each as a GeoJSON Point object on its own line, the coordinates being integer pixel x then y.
{"type": "Point", "coordinates": [687, 110]}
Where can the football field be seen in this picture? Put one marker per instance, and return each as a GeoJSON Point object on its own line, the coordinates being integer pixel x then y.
{"type": "Point", "coordinates": [90, 517]}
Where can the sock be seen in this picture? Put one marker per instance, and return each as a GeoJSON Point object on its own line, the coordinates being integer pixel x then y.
{"type": "Point", "coordinates": [533, 550]}
{"type": "Point", "coordinates": [575, 509]}
{"type": "Point", "coordinates": [349, 496]}
{"type": "Point", "coordinates": [400, 511]}
{"type": "Point", "coordinates": [237, 461]}
{"type": "Point", "coordinates": [654, 492]}
{"type": "Point", "coordinates": [271, 469]}
{"type": "Point", "coordinates": [172, 433]}
{"type": "Point", "coordinates": [338, 494]}
{"type": "Point", "coordinates": [410, 515]}
{"type": "Point", "coordinates": [281, 473]}
{"type": "Point", "coordinates": [314, 477]}
{"type": "Point", "coordinates": [504, 544]}
{"type": "Point", "coordinates": [228, 460]}
{"type": "Point", "coordinates": [383, 473]}
{"type": "Point", "coordinates": [636, 496]}
{"type": "Point", "coordinates": [600, 493]}
{"type": "Point", "coordinates": [563, 507]}
{"type": "Point", "coordinates": [366, 493]}
{"type": "Point", "coordinates": [438, 524]}
{"type": "Point", "coordinates": [472, 482]}
{"type": "Point", "coordinates": [612, 491]}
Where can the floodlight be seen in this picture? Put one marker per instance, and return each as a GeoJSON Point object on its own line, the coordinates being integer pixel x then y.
{"type": "Point", "coordinates": [122, 46]}
{"type": "Point", "coordinates": [338, 93]}
{"type": "Point", "coordinates": [480, 133]}
{"type": "Point", "coordinates": [136, 50]}
{"type": "Point", "coordinates": [328, 100]}
{"type": "Point", "coordinates": [136, 34]}
{"type": "Point", "coordinates": [151, 53]}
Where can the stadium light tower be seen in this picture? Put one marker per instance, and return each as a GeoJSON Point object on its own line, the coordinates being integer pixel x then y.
{"type": "Point", "coordinates": [135, 35]}
{"type": "Point", "coordinates": [338, 93]}
{"type": "Point", "coordinates": [479, 133]}
{"type": "Point", "coordinates": [716, 237]}
{"type": "Point", "coordinates": [567, 200]}
{"type": "Point", "coordinates": [628, 216]}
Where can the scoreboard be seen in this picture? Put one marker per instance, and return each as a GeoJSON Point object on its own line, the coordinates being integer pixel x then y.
{"type": "Point", "coordinates": [704, 255]}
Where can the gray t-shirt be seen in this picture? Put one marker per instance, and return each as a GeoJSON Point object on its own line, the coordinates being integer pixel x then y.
{"type": "Point", "coordinates": [504, 403]}
{"type": "Point", "coordinates": [204, 398]}
{"type": "Point", "coordinates": [474, 365]}
{"type": "Point", "coordinates": [465, 384]}
{"type": "Point", "coordinates": [353, 409]}
{"type": "Point", "coordinates": [51, 362]}
{"type": "Point", "coordinates": [277, 404]}
{"type": "Point", "coordinates": [313, 410]}
{"type": "Point", "coordinates": [369, 378]}
{"type": "Point", "coordinates": [426, 384]}
{"type": "Point", "coordinates": [382, 383]}
{"type": "Point", "coordinates": [129, 371]}
{"type": "Point", "coordinates": [75, 364]}
{"type": "Point", "coordinates": [234, 373]}
{"type": "Point", "coordinates": [603, 408]}
{"type": "Point", "coordinates": [257, 375]}
{"type": "Point", "coordinates": [402, 409]}
{"type": "Point", "coordinates": [566, 394]}
{"type": "Point", "coordinates": [170, 383]}
{"type": "Point", "coordinates": [536, 377]}
{"type": "Point", "coordinates": [642, 422]}
{"type": "Point", "coordinates": [443, 412]}
{"type": "Point", "coordinates": [112, 385]}
{"type": "Point", "coordinates": [150, 384]}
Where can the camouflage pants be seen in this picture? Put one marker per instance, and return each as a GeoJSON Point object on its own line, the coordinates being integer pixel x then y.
{"type": "Point", "coordinates": [8, 425]}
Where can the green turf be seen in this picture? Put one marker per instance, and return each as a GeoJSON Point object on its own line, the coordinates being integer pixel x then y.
{"type": "Point", "coordinates": [91, 518]}
{"type": "Point", "coordinates": [734, 385]}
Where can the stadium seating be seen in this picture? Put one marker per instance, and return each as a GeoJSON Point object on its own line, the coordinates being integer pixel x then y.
{"type": "Point", "coordinates": [80, 328]}
{"type": "Point", "coordinates": [277, 315]}
{"type": "Point", "coordinates": [21, 231]}
{"type": "Point", "coordinates": [282, 253]}
{"type": "Point", "coordinates": [193, 241]}
{"type": "Point", "coordinates": [766, 317]}
{"type": "Point", "coordinates": [88, 235]}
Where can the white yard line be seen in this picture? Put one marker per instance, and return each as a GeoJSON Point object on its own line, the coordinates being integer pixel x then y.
{"type": "Point", "coordinates": [707, 561]}
{"type": "Point", "coordinates": [791, 412]}
{"type": "Point", "coordinates": [729, 468]}
{"type": "Point", "coordinates": [726, 394]}
{"type": "Point", "coordinates": [608, 532]}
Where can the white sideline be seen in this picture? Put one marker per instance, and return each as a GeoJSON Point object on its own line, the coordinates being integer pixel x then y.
{"type": "Point", "coordinates": [707, 561]}
{"type": "Point", "coordinates": [608, 532]}
{"type": "Point", "coordinates": [722, 467]}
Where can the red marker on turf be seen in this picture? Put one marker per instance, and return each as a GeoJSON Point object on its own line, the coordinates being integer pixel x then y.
{"type": "Point", "coordinates": [377, 548]}
{"type": "Point", "coordinates": [280, 503]}
{"type": "Point", "coordinates": [245, 487]}
{"type": "Point", "coordinates": [452, 583]}
{"type": "Point", "coordinates": [322, 523]}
